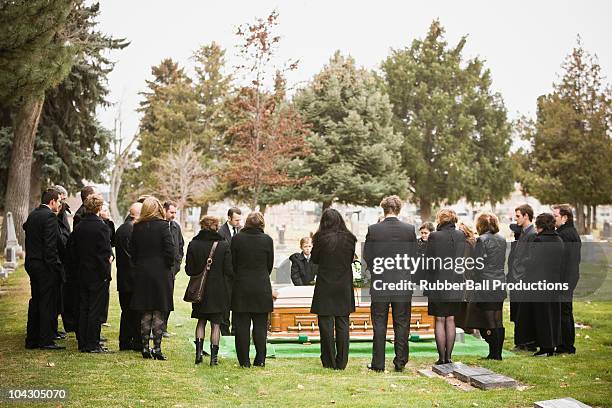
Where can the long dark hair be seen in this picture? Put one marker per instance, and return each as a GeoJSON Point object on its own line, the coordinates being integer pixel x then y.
{"type": "Point", "coordinates": [331, 228]}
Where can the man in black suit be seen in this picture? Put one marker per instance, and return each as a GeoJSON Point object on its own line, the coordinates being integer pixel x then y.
{"type": "Point", "coordinates": [388, 239]}
{"type": "Point", "coordinates": [564, 220]}
{"type": "Point", "coordinates": [80, 212]}
{"type": "Point", "coordinates": [179, 244]}
{"type": "Point", "coordinates": [519, 271]}
{"type": "Point", "coordinates": [228, 231]}
{"type": "Point", "coordinates": [44, 267]}
{"type": "Point", "coordinates": [64, 234]}
{"type": "Point", "coordinates": [129, 328]}
{"type": "Point", "coordinates": [92, 253]}
{"type": "Point", "coordinates": [232, 226]}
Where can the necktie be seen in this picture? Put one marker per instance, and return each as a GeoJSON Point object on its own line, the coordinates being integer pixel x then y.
{"type": "Point", "coordinates": [235, 232]}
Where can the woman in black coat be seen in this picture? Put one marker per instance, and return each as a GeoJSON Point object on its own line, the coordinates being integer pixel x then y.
{"type": "Point", "coordinates": [91, 252]}
{"type": "Point", "coordinates": [333, 300]}
{"type": "Point", "coordinates": [484, 311]}
{"type": "Point", "coordinates": [444, 305]}
{"type": "Point", "coordinates": [152, 251]}
{"type": "Point", "coordinates": [216, 298]}
{"type": "Point", "coordinates": [542, 312]}
{"type": "Point", "coordinates": [252, 260]}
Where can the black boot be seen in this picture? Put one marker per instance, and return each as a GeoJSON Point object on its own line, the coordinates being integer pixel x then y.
{"type": "Point", "coordinates": [146, 351]}
{"type": "Point", "coordinates": [499, 341]}
{"type": "Point", "coordinates": [199, 343]}
{"type": "Point", "coordinates": [214, 355]}
{"type": "Point", "coordinates": [489, 337]}
{"type": "Point", "coordinates": [157, 354]}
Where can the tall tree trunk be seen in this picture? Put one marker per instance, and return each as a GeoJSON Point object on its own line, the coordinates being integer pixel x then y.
{"type": "Point", "coordinates": [183, 217]}
{"type": "Point", "coordinates": [588, 220]}
{"type": "Point", "coordinates": [326, 204]}
{"type": "Point", "coordinates": [263, 208]}
{"type": "Point", "coordinates": [425, 206]}
{"type": "Point", "coordinates": [594, 222]}
{"type": "Point", "coordinates": [115, 186]}
{"type": "Point", "coordinates": [35, 185]}
{"type": "Point", "coordinates": [580, 218]}
{"type": "Point", "coordinates": [204, 209]}
{"type": "Point", "coordinates": [16, 199]}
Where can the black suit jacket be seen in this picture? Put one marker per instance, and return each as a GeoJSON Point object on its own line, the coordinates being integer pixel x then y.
{"type": "Point", "coordinates": [78, 215]}
{"type": "Point", "coordinates": [573, 244]}
{"type": "Point", "coordinates": [42, 242]}
{"type": "Point", "coordinates": [253, 260]}
{"type": "Point", "coordinates": [125, 275]}
{"type": "Point", "coordinates": [179, 244]}
{"type": "Point", "coordinates": [224, 231]}
{"type": "Point", "coordinates": [91, 250]}
{"type": "Point", "coordinates": [387, 239]}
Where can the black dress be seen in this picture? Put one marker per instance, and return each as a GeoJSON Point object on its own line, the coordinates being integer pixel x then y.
{"type": "Point", "coordinates": [446, 242]}
{"type": "Point", "coordinates": [216, 297]}
{"type": "Point", "coordinates": [152, 251]}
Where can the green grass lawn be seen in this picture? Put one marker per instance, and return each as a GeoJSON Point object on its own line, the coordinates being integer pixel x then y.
{"type": "Point", "coordinates": [125, 379]}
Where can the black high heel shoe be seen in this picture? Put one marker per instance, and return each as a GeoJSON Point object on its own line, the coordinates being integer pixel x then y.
{"type": "Point", "coordinates": [157, 354]}
{"type": "Point", "coordinates": [146, 352]}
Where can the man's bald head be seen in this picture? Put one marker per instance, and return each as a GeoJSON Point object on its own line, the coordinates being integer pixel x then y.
{"type": "Point", "coordinates": [135, 210]}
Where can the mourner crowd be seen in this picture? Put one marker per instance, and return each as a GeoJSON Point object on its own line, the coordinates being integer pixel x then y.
{"type": "Point", "coordinates": [230, 266]}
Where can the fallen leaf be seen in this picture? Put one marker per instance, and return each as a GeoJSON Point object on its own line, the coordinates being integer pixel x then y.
{"type": "Point", "coordinates": [50, 364]}
{"type": "Point", "coordinates": [393, 386]}
{"type": "Point", "coordinates": [300, 387]}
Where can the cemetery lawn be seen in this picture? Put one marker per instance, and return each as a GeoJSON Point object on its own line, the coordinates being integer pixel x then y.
{"type": "Point", "coordinates": [125, 379]}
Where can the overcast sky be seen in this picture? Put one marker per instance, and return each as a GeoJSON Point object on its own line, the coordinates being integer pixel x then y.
{"type": "Point", "coordinates": [523, 42]}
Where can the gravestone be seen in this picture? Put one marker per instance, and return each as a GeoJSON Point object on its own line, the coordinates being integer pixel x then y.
{"type": "Point", "coordinates": [492, 381]}
{"type": "Point", "coordinates": [466, 373]}
{"type": "Point", "coordinates": [446, 369]}
{"type": "Point", "coordinates": [283, 272]}
{"type": "Point", "coordinates": [427, 373]}
{"type": "Point", "coordinates": [12, 245]}
{"type": "Point", "coordinates": [561, 403]}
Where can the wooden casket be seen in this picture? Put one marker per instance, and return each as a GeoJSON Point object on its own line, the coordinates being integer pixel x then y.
{"type": "Point", "coordinates": [291, 318]}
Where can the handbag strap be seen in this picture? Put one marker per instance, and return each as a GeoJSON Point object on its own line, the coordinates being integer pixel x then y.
{"type": "Point", "coordinates": [210, 256]}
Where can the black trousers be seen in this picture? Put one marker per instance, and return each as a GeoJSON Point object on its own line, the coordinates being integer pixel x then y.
{"type": "Point", "coordinates": [91, 312]}
{"type": "Point", "coordinates": [42, 308]}
{"type": "Point", "coordinates": [568, 331]}
{"type": "Point", "coordinates": [401, 328]}
{"type": "Point", "coordinates": [60, 307]}
{"type": "Point", "coordinates": [334, 348]}
{"type": "Point", "coordinates": [129, 327]}
{"type": "Point", "coordinates": [70, 315]}
{"type": "Point", "coordinates": [227, 324]}
{"type": "Point", "coordinates": [242, 324]}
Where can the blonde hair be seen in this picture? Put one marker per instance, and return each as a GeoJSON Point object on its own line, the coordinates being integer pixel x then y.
{"type": "Point", "coordinates": [209, 223]}
{"type": "Point", "coordinates": [446, 215]}
{"type": "Point", "coordinates": [468, 232]}
{"type": "Point", "coordinates": [93, 203]}
{"type": "Point", "coordinates": [152, 209]}
{"type": "Point", "coordinates": [305, 240]}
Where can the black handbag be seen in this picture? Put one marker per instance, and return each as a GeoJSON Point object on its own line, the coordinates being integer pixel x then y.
{"type": "Point", "coordinates": [195, 289]}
